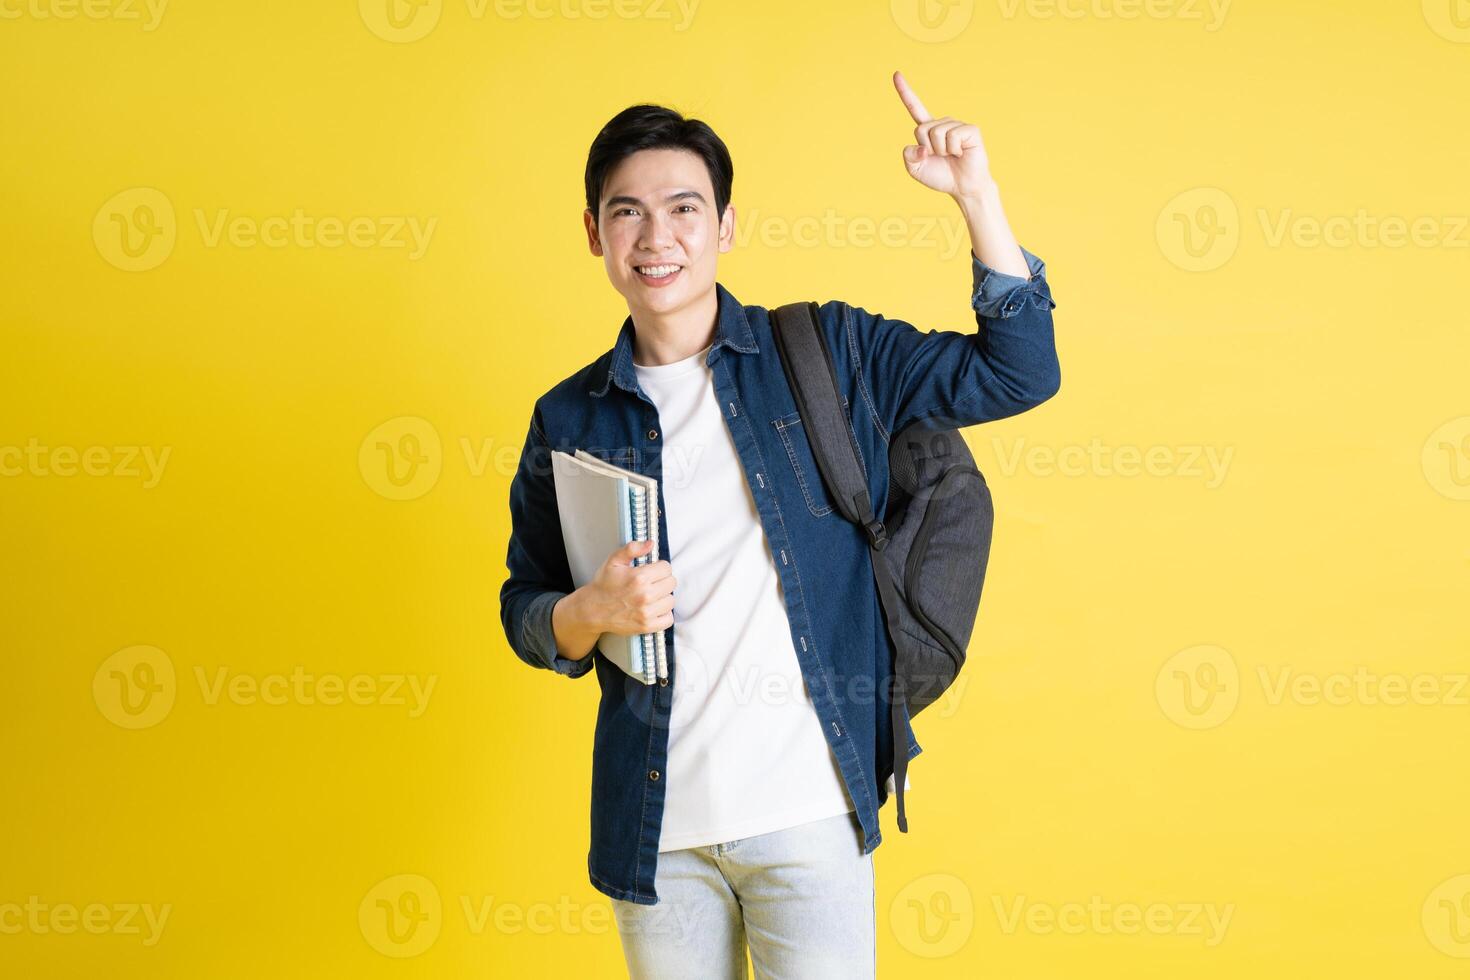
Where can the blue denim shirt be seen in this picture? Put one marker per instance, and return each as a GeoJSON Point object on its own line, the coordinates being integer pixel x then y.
{"type": "Point", "coordinates": [891, 374]}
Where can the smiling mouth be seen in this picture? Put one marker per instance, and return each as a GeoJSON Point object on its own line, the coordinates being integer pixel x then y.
{"type": "Point", "coordinates": [658, 275]}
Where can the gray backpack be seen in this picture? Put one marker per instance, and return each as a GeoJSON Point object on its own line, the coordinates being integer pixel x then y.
{"type": "Point", "coordinates": [929, 549]}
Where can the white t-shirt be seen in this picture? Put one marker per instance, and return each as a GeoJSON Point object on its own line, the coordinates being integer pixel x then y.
{"type": "Point", "coordinates": [746, 751]}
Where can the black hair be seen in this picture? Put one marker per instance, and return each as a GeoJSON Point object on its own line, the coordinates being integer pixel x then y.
{"type": "Point", "coordinates": [655, 127]}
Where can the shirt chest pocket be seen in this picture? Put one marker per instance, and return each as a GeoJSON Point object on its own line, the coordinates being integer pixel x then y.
{"type": "Point", "coordinates": [804, 465]}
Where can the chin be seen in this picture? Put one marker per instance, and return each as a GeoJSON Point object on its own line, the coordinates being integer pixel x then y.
{"type": "Point", "coordinates": [660, 299]}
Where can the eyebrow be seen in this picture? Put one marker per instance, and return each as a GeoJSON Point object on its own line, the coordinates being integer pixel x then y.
{"type": "Point", "coordinates": [613, 202]}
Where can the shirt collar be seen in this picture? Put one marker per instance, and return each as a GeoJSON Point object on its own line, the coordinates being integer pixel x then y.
{"type": "Point", "coordinates": [732, 330]}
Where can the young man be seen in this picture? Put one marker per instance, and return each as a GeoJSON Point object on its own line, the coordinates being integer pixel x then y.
{"type": "Point", "coordinates": [738, 803]}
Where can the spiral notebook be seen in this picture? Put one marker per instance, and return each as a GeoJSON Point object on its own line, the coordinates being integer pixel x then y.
{"type": "Point", "coordinates": [602, 508]}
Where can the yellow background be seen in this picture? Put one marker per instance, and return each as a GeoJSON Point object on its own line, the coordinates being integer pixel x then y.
{"type": "Point", "coordinates": [1079, 766]}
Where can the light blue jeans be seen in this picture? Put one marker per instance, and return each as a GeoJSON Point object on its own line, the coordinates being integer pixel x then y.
{"type": "Point", "coordinates": [803, 898]}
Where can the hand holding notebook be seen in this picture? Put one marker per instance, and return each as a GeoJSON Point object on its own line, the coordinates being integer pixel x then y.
{"type": "Point", "coordinates": [603, 507]}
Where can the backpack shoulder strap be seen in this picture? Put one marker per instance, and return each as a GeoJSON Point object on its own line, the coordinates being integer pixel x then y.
{"type": "Point", "coordinates": [813, 380]}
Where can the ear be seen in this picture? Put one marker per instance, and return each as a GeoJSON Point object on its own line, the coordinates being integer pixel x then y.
{"type": "Point", "coordinates": [594, 241]}
{"type": "Point", "coordinates": [727, 228]}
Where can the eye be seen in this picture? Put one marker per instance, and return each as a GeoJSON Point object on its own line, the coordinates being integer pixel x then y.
{"type": "Point", "coordinates": [622, 211]}
{"type": "Point", "coordinates": [691, 208]}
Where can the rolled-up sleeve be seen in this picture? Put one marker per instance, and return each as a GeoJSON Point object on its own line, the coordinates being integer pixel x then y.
{"type": "Point", "coordinates": [999, 294]}
{"type": "Point", "coordinates": [536, 561]}
{"type": "Point", "coordinates": [1006, 366]}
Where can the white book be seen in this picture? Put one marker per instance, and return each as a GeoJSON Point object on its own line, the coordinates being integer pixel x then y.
{"type": "Point", "coordinates": [603, 507]}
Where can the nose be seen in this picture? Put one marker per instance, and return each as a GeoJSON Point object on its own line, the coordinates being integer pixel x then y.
{"type": "Point", "coordinates": [657, 236]}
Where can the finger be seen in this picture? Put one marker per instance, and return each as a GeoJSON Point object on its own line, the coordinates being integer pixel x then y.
{"type": "Point", "coordinates": [632, 550]}
{"type": "Point", "coordinates": [648, 597]}
{"type": "Point", "coordinates": [955, 140]}
{"type": "Point", "coordinates": [924, 134]}
{"type": "Point", "coordinates": [910, 99]}
{"type": "Point", "coordinates": [654, 572]}
{"type": "Point", "coordinates": [921, 137]}
{"type": "Point", "coordinates": [638, 547]}
{"type": "Point", "coordinates": [649, 619]}
{"type": "Point", "coordinates": [657, 588]}
{"type": "Point", "coordinates": [939, 135]}
{"type": "Point", "coordinates": [913, 159]}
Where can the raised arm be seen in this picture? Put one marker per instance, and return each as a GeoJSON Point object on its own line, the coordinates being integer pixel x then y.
{"type": "Point", "coordinates": [1009, 363]}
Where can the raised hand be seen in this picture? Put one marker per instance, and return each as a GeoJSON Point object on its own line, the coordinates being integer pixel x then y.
{"type": "Point", "coordinates": [948, 155]}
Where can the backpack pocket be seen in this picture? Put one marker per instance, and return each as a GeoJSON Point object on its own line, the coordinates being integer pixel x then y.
{"type": "Point", "coordinates": [943, 555]}
{"type": "Point", "coordinates": [946, 570]}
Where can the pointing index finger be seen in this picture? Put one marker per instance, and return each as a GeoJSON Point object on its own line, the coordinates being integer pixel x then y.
{"type": "Point", "coordinates": [910, 100]}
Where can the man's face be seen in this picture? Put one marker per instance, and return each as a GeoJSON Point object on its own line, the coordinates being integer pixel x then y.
{"type": "Point", "coordinates": [658, 232]}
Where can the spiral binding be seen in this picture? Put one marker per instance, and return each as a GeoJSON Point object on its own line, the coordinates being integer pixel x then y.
{"type": "Point", "coordinates": [652, 652]}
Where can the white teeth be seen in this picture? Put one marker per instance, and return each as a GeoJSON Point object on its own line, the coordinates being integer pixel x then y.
{"type": "Point", "coordinates": [658, 271]}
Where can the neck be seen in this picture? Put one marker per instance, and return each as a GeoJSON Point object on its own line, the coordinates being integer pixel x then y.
{"type": "Point", "coordinates": [665, 337]}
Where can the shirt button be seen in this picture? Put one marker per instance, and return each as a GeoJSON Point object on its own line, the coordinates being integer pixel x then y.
{"type": "Point", "coordinates": [653, 433]}
{"type": "Point", "coordinates": [653, 774]}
